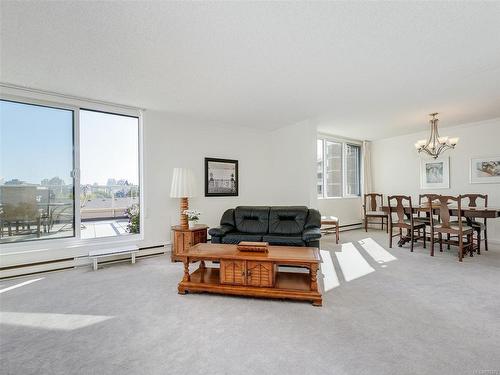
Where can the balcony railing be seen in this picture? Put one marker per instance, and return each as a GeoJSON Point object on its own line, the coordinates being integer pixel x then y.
{"type": "Point", "coordinates": [107, 201]}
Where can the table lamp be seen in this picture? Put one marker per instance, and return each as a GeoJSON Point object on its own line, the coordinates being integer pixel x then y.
{"type": "Point", "coordinates": [183, 186]}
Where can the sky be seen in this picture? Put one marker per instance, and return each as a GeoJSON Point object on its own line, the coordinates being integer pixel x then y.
{"type": "Point", "coordinates": [37, 142]}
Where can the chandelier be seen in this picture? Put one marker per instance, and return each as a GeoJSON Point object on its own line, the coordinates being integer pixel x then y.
{"type": "Point", "coordinates": [435, 145]}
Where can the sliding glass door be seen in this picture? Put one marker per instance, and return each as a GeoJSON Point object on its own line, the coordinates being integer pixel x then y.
{"type": "Point", "coordinates": [37, 186]}
{"type": "Point", "coordinates": [109, 174]}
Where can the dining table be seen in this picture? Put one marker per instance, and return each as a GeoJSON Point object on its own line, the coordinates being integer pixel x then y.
{"type": "Point", "coordinates": [468, 213]}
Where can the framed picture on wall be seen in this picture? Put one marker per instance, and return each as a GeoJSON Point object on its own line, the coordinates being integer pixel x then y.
{"type": "Point", "coordinates": [221, 177]}
{"type": "Point", "coordinates": [435, 174]}
{"type": "Point", "coordinates": [485, 170]}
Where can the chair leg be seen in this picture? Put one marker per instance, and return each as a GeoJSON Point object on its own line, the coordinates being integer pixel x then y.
{"type": "Point", "coordinates": [432, 242]}
{"type": "Point", "coordinates": [460, 248]}
{"type": "Point", "coordinates": [485, 239]}
{"type": "Point", "coordinates": [424, 237]}
{"type": "Point", "coordinates": [478, 242]}
{"type": "Point", "coordinates": [412, 236]}
{"type": "Point", "coordinates": [387, 226]}
{"type": "Point", "coordinates": [440, 239]}
{"type": "Point", "coordinates": [448, 239]}
{"type": "Point", "coordinates": [366, 224]}
{"type": "Point", "coordinates": [337, 234]}
{"type": "Point", "coordinates": [471, 244]}
{"type": "Point", "coordinates": [382, 224]}
{"type": "Point", "coordinates": [390, 239]}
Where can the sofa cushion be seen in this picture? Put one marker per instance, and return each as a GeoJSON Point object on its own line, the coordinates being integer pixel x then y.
{"type": "Point", "coordinates": [287, 220]}
{"type": "Point", "coordinates": [252, 219]}
{"type": "Point", "coordinates": [237, 237]}
{"type": "Point", "coordinates": [228, 218]}
{"type": "Point", "coordinates": [313, 219]}
{"type": "Point", "coordinates": [283, 240]}
{"type": "Point", "coordinates": [311, 234]}
{"type": "Point", "coordinates": [220, 231]}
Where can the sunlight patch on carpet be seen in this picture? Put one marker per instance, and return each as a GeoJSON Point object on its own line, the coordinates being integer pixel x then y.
{"type": "Point", "coordinates": [330, 279]}
{"type": "Point", "coordinates": [352, 263]}
{"type": "Point", "coordinates": [64, 322]}
{"type": "Point", "coordinates": [377, 252]}
{"type": "Point", "coordinates": [20, 285]}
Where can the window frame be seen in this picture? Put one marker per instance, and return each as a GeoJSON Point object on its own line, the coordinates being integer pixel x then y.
{"type": "Point", "coordinates": [75, 105]}
{"type": "Point", "coordinates": [344, 143]}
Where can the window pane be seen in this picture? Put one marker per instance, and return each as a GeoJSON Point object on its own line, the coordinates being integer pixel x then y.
{"type": "Point", "coordinates": [333, 159]}
{"type": "Point", "coordinates": [36, 164]}
{"type": "Point", "coordinates": [352, 165]}
{"type": "Point", "coordinates": [319, 160]}
{"type": "Point", "coordinates": [109, 163]}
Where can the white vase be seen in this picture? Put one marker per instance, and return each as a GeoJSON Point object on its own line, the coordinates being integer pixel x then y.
{"type": "Point", "coordinates": [192, 224]}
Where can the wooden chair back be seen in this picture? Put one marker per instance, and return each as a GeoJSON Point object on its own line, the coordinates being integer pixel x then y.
{"type": "Point", "coordinates": [472, 201]}
{"type": "Point", "coordinates": [397, 204]}
{"type": "Point", "coordinates": [444, 212]}
{"type": "Point", "coordinates": [472, 198]}
{"type": "Point", "coordinates": [426, 198]}
{"type": "Point", "coordinates": [374, 200]}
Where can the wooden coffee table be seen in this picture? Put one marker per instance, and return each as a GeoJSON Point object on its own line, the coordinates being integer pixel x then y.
{"type": "Point", "coordinates": [253, 274]}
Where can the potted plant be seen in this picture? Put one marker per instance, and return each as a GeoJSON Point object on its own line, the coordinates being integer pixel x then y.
{"type": "Point", "coordinates": [133, 213]}
{"type": "Point", "coordinates": [193, 217]}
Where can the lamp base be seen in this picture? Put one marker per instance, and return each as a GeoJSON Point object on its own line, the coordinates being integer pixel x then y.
{"type": "Point", "coordinates": [184, 218]}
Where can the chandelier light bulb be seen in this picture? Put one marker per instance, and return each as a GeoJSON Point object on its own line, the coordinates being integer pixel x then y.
{"type": "Point", "coordinates": [443, 140]}
{"type": "Point", "coordinates": [454, 141]}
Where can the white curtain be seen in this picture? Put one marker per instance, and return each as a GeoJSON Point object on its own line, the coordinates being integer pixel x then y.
{"type": "Point", "coordinates": [367, 167]}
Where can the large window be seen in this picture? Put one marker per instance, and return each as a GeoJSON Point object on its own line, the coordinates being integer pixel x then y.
{"type": "Point", "coordinates": [338, 169]}
{"type": "Point", "coordinates": [109, 174]}
{"type": "Point", "coordinates": [36, 172]}
{"type": "Point", "coordinates": [63, 178]}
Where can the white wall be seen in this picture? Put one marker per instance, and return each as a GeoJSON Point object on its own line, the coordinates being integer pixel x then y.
{"type": "Point", "coordinates": [171, 142]}
{"type": "Point", "coordinates": [293, 161]}
{"type": "Point", "coordinates": [348, 210]}
{"type": "Point", "coordinates": [396, 164]}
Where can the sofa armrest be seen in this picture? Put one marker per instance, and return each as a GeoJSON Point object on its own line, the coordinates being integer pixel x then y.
{"type": "Point", "coordinates": [220, 231]}
{"type": "Point", "coordinates": [311, 234]}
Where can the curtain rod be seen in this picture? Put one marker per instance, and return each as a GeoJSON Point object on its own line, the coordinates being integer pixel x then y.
{"type": "Point", "coordinates": [67, 96]}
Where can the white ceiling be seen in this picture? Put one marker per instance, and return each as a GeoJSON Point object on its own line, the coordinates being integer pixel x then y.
{"type": "Point", "coordinates": [362, 70]}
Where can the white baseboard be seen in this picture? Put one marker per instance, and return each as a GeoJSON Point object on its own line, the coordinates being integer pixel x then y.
{"type": "Point", "coordinates": [84, 261]}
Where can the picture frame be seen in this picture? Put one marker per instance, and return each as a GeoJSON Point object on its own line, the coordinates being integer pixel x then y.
{"type": "Point", "coordinates": [435, 173]}
{"type": "Point", "coordinates": [485, 170]}
{"type": "Point", "coordinates": [221, 177]}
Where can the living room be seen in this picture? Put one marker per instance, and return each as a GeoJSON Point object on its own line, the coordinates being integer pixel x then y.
{"type": "Point", "coordinates": [310, 115]}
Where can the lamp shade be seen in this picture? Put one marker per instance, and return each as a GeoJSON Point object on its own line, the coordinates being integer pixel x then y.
{"type": "Point", "coordinates": [183, 183]}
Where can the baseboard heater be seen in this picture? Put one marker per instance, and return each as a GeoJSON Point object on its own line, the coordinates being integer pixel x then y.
{"type": "Point", "coordinates": [69, 263]}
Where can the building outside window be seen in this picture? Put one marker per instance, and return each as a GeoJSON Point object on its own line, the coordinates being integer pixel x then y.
{"type": "Point", "coordinates": [66, 172]}
{"type": "Point", "coordinates": [338, 168]}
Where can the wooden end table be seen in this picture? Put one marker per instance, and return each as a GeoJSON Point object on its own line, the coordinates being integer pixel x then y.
{"type": "Point", "coordinates": [184, 238]}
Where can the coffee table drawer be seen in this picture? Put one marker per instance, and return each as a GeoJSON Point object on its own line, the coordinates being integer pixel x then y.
{"type": "Point", "coordinates": [232, 272]}
{"type": "Point", "coordinates": [260, 274]}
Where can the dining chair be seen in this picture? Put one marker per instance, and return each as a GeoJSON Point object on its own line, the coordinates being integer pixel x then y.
{"type": "Point", "coordinates": [477, 226]}
{"type": "Point", "coordinates": [372, 209]}
{"type": "Point", "coordinates": [425, 199]}
{"type": "Point", "coordinates": [403, 221]}
{"type": "Point", "coordinates": [19, 209]}
{"type": "Point", "coordinates": [446, 226]}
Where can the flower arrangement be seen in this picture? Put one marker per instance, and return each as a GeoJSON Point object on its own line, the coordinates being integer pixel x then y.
{"type": "Point", "coordinates": [133, 214]}
{"type": "Point", "coordinates": [193, 216]}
